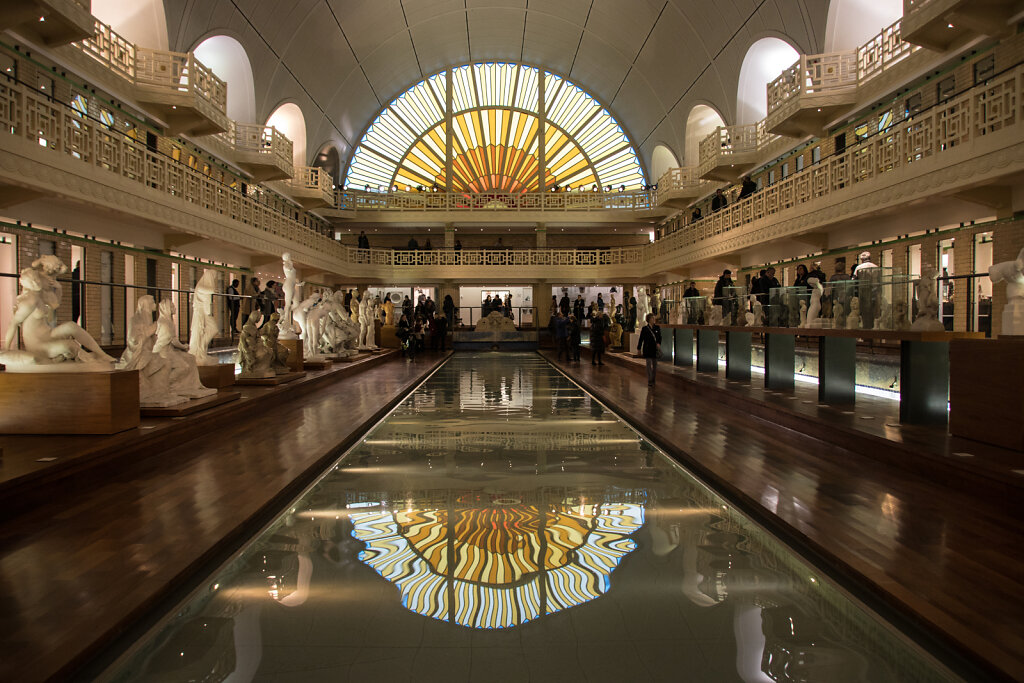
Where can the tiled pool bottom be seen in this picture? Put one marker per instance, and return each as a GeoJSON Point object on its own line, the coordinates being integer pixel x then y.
{"type": "Point", "coordinates": [501, 524]}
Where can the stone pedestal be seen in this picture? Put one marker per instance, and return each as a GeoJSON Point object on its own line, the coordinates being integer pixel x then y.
{"type": "Point", "coordinates": [388, 338]}
{"type": "Point", "coordinates": [294, 347]}
{"type": "Point", "coordinates": [270, 381]}
{"type": "Point", "coordinates": [986, 402]}
{"type": "Point", "coordinates": [69, 403]}
{"type": "Point", "coordinates": [217, 376]}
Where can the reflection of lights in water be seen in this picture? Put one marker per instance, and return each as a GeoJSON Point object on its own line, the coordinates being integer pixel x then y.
{"type": "Point", "coordinates": [497, 578]}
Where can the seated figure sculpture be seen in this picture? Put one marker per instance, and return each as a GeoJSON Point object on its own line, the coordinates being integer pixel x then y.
{"type": "Point", "coordinates": [279, 352]}
{"type": "Point", "coordinates": [254, 357]}
{"type": "Point", "coordinates": [139, 354]}
{"type": "Point", "coordinates": [48, 346]}
{"type": "Point", "coordinates": [495, 322]}
{"type": "Point", "coordinates": [1011, 272]}
{"type": "Point", "coordinates": [927, 319]}
{"type": "Point", "coordinates": [183, 374]}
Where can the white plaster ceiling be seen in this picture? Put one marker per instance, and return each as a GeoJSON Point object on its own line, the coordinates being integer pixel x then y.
{"type": "Point", "coordinates": [648, 61]}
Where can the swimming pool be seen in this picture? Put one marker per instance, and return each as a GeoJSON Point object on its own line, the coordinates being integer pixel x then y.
{"type": "Point", "coordinates": [501, 524]}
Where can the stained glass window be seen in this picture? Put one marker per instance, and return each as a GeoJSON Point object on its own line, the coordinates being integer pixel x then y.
{"type": "Point", "coordinates": [509, 127]}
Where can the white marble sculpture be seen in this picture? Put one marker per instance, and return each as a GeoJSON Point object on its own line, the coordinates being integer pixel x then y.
{"type": "Point", "coordinates": [366, 320]}
{"type": "Point", "coordinates": [292, 293]}
{"type": "Point", "coordinates": [611, 299]}
{"type": "Point", "coordinates": [899, 316]}
{"type": "Point", "coordinates": [254, 357]}
{"type": "Point", "coordinates": [204, 325]}
{"type": "Point", "coordinates": [655, 301]}
{"type": "Point", "coordinates": [300, 314]}
{"type": "Point", "coordinates": [314, 330]}
{"type": "Point", "coordinates": [814, 310]}
{"type": "Point", "coordinates": [838, 315]}
{"type": "Point", "coordinates": [183, 373]}
{"type": "Point", "coordinates": [642, 306]}
{"type": "Point", "coordinates": [270, 333]}
{"type": "Point", "coordinates": [883, 319]}
{"type": "Point", "coordinates": [853, 317]}
{"type": "Point", "coordinates": [716, 316]}
{"type": "Point", "coordinates": [139, 354]}
{"type": "Point", "coordinates": [758, 310]}
{"type": "Point", "coordinates": [340, 335]}
{"type": "Point", "coordinates": [496, 322]}
{"type": "Point", "coordinates": [927, 319]}
{"type": "Point", "coordinates": [1011, 272]}
{"type": "Point", "coordinates": [803, 313]}
{"type": "Point", "coordinates": [48, 347]}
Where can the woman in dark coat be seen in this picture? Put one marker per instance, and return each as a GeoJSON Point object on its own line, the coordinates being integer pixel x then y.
{"type": "Point", "coordinates": [597, 328]}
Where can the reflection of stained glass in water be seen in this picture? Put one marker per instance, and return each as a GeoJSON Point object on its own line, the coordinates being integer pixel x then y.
{"type": "Point", "coordinates": [498, 566]}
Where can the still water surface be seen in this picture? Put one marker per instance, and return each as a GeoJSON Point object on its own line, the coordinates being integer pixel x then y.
{"type": "Point", "coordinates": [501, 524]}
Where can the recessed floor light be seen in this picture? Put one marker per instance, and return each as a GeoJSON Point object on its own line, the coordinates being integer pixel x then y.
{"type": "Point", "coordinates": [45, 459]}
{"type": "Point", "coordinates": [961, 454]}
{"type": "Point", "coordinates": [867, 417]}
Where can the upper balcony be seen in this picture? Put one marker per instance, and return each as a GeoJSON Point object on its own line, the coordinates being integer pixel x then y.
{"type": "Point", "coordinates": [728, 153]}
{"type": "Point", "coordinates": [173, 86]}
{"type": "Point", "coordinates": [818, 89]}
{"type": "Point", "coordinates": [261, 151]}
{"type": "Point", "coordinates": [310, 187]}
{"type": "Point", "coordinates": [939, 24]}
{"type": "Point", "coordinates": [54, 22]}
{"type": "Point", "coordinates": [677, 187]}
{"type": "Point", "coordinates": [523, 207]}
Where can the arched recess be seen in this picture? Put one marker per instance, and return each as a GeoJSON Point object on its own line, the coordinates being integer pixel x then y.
{"type": "Point", "coordinates": [851, 23]}
{"type": "Point", "coordinates": [289, 120]}
{"type": "Point", "coordinates": [143, 22]}
{"type": "Point", "coordinates": [662, 159]}
{"type": "Point", "coordinates": [228, 59]}
{"type": "Point", "coordinates": [700, 122]}
{"type": "Point", "coordinates": [329, 159]}
{"type": "Point", "coordinates": [765, 60]}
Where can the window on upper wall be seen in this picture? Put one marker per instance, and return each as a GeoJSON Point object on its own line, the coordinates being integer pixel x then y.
{"type": "Point", "coordinates": [984, 68]}
{"type": "Point", "coordinates": [785, 170]}
{"type": "Point", "coordinates": [107, 118]}
{"type": "Point", "coordinates": [771, 177]}
{"type": "Point", "coordinates": [79, 104]}
{"type": "Point", "coordinates": [496, 131]}
{"type": "Point", "coordinates": [800, 163]}
{"type": "Point", "coordinates": [913, 105]}
{"type": "Point", "coordinates": [946, 88]}
{"type": "Point", "coordinates": [816, 155]}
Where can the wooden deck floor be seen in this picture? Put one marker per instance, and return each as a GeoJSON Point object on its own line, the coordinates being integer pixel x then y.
{"type": "Point", "coordinates": [948, 558]}
{"type": "Point", "coordinates": [76, 571]}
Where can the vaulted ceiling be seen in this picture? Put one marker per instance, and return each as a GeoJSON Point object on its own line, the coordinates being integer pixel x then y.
{"type": "Point", "coordinates": [648, 61]}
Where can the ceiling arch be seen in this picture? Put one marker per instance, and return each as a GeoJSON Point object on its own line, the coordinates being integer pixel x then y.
{"type": "Point", "coordinates": [648, 61]}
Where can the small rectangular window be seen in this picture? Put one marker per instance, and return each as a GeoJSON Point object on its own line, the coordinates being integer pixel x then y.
{"type": "Point", "coordinates": [800, 163]}
{"type": "Point", "coordinates": [913, 105]}
{"type": "Point", "coordinates": [771, 177]}
{"type": "Point", "coordinates": [785, 171]}
{"type": "Point", "coordinates": [946, 88]}
{"type": "Point", "coordinates": [984, 68]}
{"type": "Point", "coordinates": [816, 155]}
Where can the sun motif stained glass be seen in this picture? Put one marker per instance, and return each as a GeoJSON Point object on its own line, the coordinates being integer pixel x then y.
{"type": "Point", "coordinates": [510, 126]}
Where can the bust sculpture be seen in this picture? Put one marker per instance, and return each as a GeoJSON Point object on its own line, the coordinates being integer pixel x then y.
{"type": "Point", "coordinates": [1011, 272]}
{"type": "Point", "coordinates": [48, 347]}
{"type": "Point", "coordinates": [927, 319]}
{"type": "Point", "coordinates": [253, 355]}
{"type": "Point", "coordinates": [292, 293]}
{"type": "Point", "coordinates": [183, 374]}
{"type": "Point", "coordinates": [853, 317]}
{"type": "Point", "coordinates": [204, 325]}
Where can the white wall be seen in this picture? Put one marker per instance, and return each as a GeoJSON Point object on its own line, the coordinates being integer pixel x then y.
{"type": "Point", "coordinates": [141, 21]}
{"type": "Point", "coordinates": [851, 23]}
{"type": "Point", "coordinates": [765, 60]}
{"type": "Point", "coordinates": [288, 119]}
{"type": "Point", "coordinates": [226, 57]}
{"type": "Point", "coordinates": [701, 120]}
{"type": "Point", "coordinates": [8, 285]}
{"type": "Point", "coordinates": [662, 159]}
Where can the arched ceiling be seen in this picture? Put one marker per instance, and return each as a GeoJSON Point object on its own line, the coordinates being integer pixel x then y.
{"type": "Point", "coordinates": [648, 61]}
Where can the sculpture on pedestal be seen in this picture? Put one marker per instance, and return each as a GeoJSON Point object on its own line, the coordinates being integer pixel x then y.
{"type": "Point", "coordinates": [278, 352]}
{"type": "Point", "coordinates": [292, 293]}
{"type": "Point", "coordinates": [716, 316]}
{"type": "Point", "coordinates": [389, 311]}
{"type": "Point", "coordinates": [927, 319]}
{"type": "Point", "coordinates": [853, 317]}
{"type": "Point", "coordinates": [757, 310]}
{"type": "Point", "coordinates": [655, 302]}
{"type": "Point", "coordinates": [253, 356]}
{"type": "Point", "coordinates": [803, 313]}
{"type": "Point", "coordinates": [204, 325]}
{"type": "Point", "coordinates": [183, 374]}
{"type": "Point", "coordinates": [48, 347]}
{"type": "Point", "coordinates": [1012, 272]}
{"type": "Point", "coordinates": [300, 314]}
{"type": "Point", "coordinates": [139, 354]}
{"type": "Point", "coordinates": [496, 322]}
{"type": "Point", "coordinates": [814, 310]}
{"type": "Point", "coordinates": [642, 304]}
{"type": "Point", "coordinates": [899, 316]}
{"type": "Point", "coordinates": [615, 331]}
{"type": "Point", "coordinates": [366, 322]}
{"type": "Point", "coordinates": [313, 330]}
{"type": "Point", "coordinates": [838, 315]}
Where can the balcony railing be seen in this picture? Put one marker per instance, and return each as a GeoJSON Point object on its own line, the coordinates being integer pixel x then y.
{"type": "Point", "coordinates": [354, 200]}
{"type": "Point", "coordinates": [882, 52]}
{"type": "Point", "coordinates": [614, 256]}
{"type": "Point", "coordinates": [53, 125]}
{"type": "Point", "coordinates": [156, 70]}
{"type": "Point", "coordinates": [261, 150]}
{"type": "Point", "coordinates": [734, 145]}
{"type": "Point", "coordinates": [984, 110]}
{"type": "Point", "coordinates": [680, 182]}
{"type": "Point", "coordinates": [311, 187]}
{"type": "Point", "coordinates": [814, 75]}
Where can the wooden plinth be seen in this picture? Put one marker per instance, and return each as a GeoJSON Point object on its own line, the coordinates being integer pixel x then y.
{"type": "Point", "coordinates": [69, 403]}
{"type": "Point", "coordinates": [270, 381]}
{"type": "Point", "coordinates": [294, 347]}
{"type": "Point", "coordinates": [193, 406]}
{"type": "Point", "coordinates": [322, 364]}
{"type": "Point", "coordinates": [217, 376]}
{"type": "Point", "coordinates": [351, 359]}
{"type": "Point", "coordinates": [986, 401]}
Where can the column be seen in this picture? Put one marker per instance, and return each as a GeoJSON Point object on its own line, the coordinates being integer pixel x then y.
{"type": "Point", "coordinates": [737, 355]}
{"type": "Point", "coordinates": [683, 355]}
{"type": "Point", "coordinates": [449, 235]}
{"type": "Point", "coordinates": [542, 235]}
{"type": "Point", "coordinates": [924, 381]}
{"type": "Point", "coordinates": [779, 361]}
{"type": "Point", "coordinates": [837, 369]}
{"type": "Point", "coordinates": [707, 350]}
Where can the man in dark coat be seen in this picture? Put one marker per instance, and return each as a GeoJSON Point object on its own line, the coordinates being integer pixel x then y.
{"type": "Point", "coordinates": [649, 346]}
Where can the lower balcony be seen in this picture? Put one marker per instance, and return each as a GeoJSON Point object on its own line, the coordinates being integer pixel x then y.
{"type": "Point", "coordinates": [54, 22]}
{"type": "Point", "coordinates": [939, 24]}
{"type": "Point", "coordinates": [728, 153]}
{"type": "Point", "coordinates": [261, 151]}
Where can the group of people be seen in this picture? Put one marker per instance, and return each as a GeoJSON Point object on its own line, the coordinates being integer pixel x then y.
{"type": "Point", "coordinates": [567, 334]}
{"type": "Point", "coordinates": [497, 305]}
{"type": "Point", "coordinates": [423, 326]}
{"type": "Point", "coordinates": [266, 299]}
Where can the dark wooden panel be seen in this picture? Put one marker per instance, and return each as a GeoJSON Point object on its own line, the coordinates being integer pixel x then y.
{"type": "Point", "coordinates": [69, 403]}
{"type": "Point", "coordinates": [986, 391]}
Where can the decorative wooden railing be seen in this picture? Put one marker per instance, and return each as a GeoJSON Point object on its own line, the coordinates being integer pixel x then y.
{"type": "Point", "coordinates": [314, 180]}
{"type": "Point", "coordinates": [882, 52]}
{"type": "Point", "coordinates": [354, 200]}
{"type": "Point", "coordinates": [175, 72]}
{"type": "Point", "coordinates": [814, 75]}
{"type": "Point", "coordinates": [734, 144]}
{"type": "Point", "coordinates": [686, 178]}
{"type": "Point", "coordinates": [254, 139]}
{"type": "Point", "coordinates": [518, 258]}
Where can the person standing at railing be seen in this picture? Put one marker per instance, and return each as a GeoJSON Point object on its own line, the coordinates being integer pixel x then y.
{"type": "Point", "coordinates": [579, 309]}
{"type": "Point", "coordinates": [234, 301]}
{"type": "Point", "coordinates": [719, 201]}
{"type": "Point", "coordinates": [748, 187]}
{"type": "Point", "coordinates": [364, 245]}
{"type": "Point", "coordinates": [725, 280]}
{"type": "Point", "coordinates": [696, 215]}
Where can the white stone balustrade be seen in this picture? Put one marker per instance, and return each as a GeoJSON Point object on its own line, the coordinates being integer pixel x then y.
{"type": "Point", "coordinates": [311, 187]}
{"type": "Point", "coordinates": [262, 151]}
{"type": "Point", "coordinates": [355, 200]}
{"type": "Point", "coordinates": [677, 186]}
{"type": "Point", "coordinates": [938, 24]}
{"type": "Point", "coordinates": [176, 86]}
{"type": "Point", "coordinates": [730, 151]}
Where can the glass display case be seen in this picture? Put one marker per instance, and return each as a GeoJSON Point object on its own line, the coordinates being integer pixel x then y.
{"type": "Point", "coordinates": [785, 305]}
{"type": "Point", "coordinates": [693, 310]}
{"type": "Point", "coordinates": [734, 305]}
{"type": "Point", "coordinates": [876, 299]}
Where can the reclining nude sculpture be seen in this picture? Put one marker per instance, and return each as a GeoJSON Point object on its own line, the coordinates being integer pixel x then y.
{"type": "Point", "coordinates": [48, 347]}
